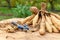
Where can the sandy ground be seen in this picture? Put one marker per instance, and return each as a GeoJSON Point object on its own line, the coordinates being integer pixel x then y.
{"type": "Point", "coordinates": [28, 36]}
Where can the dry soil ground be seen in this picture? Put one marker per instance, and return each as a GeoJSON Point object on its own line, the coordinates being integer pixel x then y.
{"type": "Point", "coordinates": [28, 36]}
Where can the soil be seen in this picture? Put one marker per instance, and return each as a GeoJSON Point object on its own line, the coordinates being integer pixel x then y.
{"type": "Point", "coordinates": [20, 35]}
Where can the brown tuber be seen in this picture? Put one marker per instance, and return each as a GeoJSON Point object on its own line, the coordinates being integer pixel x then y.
{"type": "Point", "coordinates": [34, 10]}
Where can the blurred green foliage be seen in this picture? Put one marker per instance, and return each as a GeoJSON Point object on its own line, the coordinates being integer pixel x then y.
{"type": "Point", "coordinates": [12, 3]}
{"type": "Point", "coordinates": [20, 8]}
{"type": "Point", "coordinates": [20, 11]}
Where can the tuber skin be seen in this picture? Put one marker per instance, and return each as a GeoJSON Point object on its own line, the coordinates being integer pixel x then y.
{"type": "Point", "coordinates": [55, 22]}
{"type": "Point", "coordinates": [54, 29]}
{"type": "Point", "coordinates": [42, 26]}
{"type": "Point", "coordinates": [29, 22]}
{"type": "Point", "coordinates": [9, 29]}
{"type": "Point", "coordinates": [35, 20]}
{"type": "Point", "coordinates": [43, 6]}
{"type": "Point", "coordinates": [56, 15]}
{"type": "Point", "coordinates": [34, 10]}
{"type": "Point", "coordinates": [27, 19]}
{"type": "Point", "coordinates": [48, 23]}
{"type": "Point", "coordinates": [42, 30]}
{"type": "Point", "coordinates": [48, 27]}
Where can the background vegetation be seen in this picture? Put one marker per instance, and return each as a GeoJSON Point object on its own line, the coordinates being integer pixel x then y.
{"type": "Point", "coordinates": [20, 8]}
